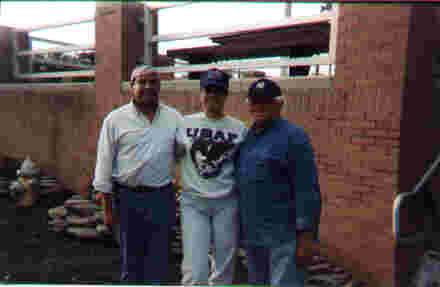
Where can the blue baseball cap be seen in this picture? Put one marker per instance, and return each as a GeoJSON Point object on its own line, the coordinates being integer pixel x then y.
{"type": "Point", "coordinates": [215, 78]}
{"type": "Point", "coordinates": [264, 90]}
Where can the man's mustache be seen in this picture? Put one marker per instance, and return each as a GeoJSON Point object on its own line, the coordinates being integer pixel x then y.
{"type": "Point", "coordinates": [148, 91]}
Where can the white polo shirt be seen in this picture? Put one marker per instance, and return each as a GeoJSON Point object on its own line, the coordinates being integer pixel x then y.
{"type": "Point", "coordinates": [134, 151]}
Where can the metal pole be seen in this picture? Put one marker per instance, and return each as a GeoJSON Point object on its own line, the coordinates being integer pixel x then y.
{"type": "Point", "coordinates": [287, 14]}
{"type": "Point", "coordinates": [148, 34]}
{"type": "Point", "coordinates": [288, 9]}
{"type": "Point", "coordinates": [15, 65]}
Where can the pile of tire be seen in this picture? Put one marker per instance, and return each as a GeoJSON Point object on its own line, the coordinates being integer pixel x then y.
{"type": "Point", "coordinates": [80, 218]}
{"type": "Point", "coordinates": [176, 243]}
{"type": "Point", "coordinates": [322, 273]}
{"type": "Point", "coordinates": [4, 185]}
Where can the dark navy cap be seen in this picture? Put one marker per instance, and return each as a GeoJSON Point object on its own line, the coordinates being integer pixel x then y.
{"type": "Point", "coordinates": [215, 78]}
{"type": "Point", "coordinates": [264, 90]}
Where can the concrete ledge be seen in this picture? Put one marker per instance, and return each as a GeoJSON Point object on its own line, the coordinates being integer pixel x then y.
{"type": "Point", "coordinates": [302, 83]}
{"type": "Point", "coordinates": [52, 89]}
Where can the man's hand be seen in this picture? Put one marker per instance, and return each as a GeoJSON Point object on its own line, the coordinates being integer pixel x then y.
{"type": "Point", "coordinates": [304, 248]}
{"type": "Point", "coordinates": [108, 210]}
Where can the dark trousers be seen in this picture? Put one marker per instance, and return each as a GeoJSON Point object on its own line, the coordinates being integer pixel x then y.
{"type": "Point", "coordinates": [146, 220]}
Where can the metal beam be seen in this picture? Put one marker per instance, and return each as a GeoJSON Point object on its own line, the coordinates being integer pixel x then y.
{"type": "Point", "coordinates": [55, 50]}
{"type": "Point", "coordinates": [59, 24]}
{"type": "Point", "coordinates": [148, 34]}
{"type": "Point", "coordinates": [64, 64]}
{"type": "Point", "coordinates": [287, 14]}
{"type": "Point", "coordinates": [14, 44]}
{"type": "Point", "coordinates": [237, 65]}
{"type": "Point", "coordinates": [51, 75]}
{"type": "Point", "coordinates": [52, 41]}
{"type": "Point", "coordinates": [315, 60]}
{"type": "Point", "coordinates": [166, 6]}
{"type": "Point", "coordinates": [288, 9]}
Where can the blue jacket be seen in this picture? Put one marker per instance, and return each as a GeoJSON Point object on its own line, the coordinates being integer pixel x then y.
{"type": "Point", "coordinates": [278, 186]}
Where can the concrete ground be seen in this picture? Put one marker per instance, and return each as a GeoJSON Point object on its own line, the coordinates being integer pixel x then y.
{"type": "Point", "coordinates": [30, 253]}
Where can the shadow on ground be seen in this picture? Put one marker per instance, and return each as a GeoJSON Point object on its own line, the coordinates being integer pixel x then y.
{"type": "Point", "coordinates": [30, 253]}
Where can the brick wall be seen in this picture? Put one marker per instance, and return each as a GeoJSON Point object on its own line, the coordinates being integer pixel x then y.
{"type": "Point", "coordinates": [54, 123]}
{"type": "Point", "coordinates": [50, 124]}
{"type": "Point", "coordinates": [359, 139]}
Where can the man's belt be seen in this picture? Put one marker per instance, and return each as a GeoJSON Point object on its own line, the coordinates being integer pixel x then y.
{"type": "Point", "coordinates": [141, 188]}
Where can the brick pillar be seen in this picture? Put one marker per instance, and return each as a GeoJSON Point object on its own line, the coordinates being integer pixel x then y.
{"type": "Point", "coordinates": [6, 53]}
{"type": "Point", "coordinates": [119, 45]}
{"type": "Point", "coordinates": [371, 58]}
{"type": "Point", "coordinates": [384, 80]}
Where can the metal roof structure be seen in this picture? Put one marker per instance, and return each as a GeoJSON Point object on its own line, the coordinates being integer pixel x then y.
{"type": "Point", "coordinates": [292, 39]}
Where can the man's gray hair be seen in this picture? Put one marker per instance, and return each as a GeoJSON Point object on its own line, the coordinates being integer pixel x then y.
{"type": "Point", "coordinates": [141, 70]}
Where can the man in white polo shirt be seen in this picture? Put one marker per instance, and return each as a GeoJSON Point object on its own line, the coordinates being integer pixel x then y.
{"type": "Point", "coordinates": [136, 161]}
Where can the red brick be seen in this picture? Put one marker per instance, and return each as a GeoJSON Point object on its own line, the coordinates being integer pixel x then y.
{"type": "Point", "coordinates": [387, 142]}
{"type": "Point", "coordinates": [354, 115]}
{"type": "Point", "coordinates": [362, 140]}
{"type": "Point", "coordinates": [362, 124]}
{"type": "Point", "coordinates": [378, 133]}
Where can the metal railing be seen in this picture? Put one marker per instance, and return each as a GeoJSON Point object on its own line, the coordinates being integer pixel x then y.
{"type": "Point", "coordinates": [251, 64]}
{"type": "Point", "coordinates": [59, 24]}
{"type": "Point", "coordinates": [56, 50]}
{"type": "Point", "coordinates": [330, 17]}
{"type": "Point", "coordinates": [87, 70]}
{"type": "Point", "coordinates": [401, 198]}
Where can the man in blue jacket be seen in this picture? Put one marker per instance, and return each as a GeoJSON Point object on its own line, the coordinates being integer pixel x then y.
{"type": "Point", "coordinates": [280, 201]}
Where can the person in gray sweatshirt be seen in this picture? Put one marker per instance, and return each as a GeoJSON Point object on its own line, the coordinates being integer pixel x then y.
{"type": "Point", "coordinates": [209, 206]}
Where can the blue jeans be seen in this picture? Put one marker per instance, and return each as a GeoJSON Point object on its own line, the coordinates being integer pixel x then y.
{"type": "Point", "coordinates": [146, 219]}
{"type": "Point", "coordinates": [274, 266]}
{"type": "Point", "coordinates": [206, 222]}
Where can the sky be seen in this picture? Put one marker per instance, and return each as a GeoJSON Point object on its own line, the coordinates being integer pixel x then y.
{"type": "Point", "coordinates": [180, 18]}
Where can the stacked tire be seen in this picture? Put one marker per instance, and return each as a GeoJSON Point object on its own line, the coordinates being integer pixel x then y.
{"type": "Point", "coordinates": [49, 184]}
{"type": "Point", "coordinates": [4, 185]}
{"type": "Point", "coordinates": [176, 244]}
{"type": "Point", "coordinates": [79, 218]}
